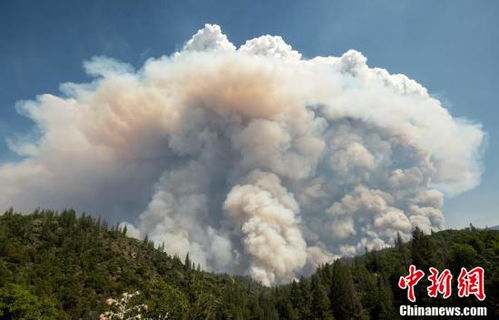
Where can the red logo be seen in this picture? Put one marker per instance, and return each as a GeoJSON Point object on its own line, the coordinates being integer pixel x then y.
{"type": "Point", "coordinates": [468, 283]}
{"type": "Point", "coordinates": [471, 282]}
{"type": "Point", "coordinates": [410, 281]}
{"type": "Point", "coordinates": [440, 284]}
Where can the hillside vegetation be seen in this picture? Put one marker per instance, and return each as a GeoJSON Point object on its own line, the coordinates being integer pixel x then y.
{"type": "Point", "coordinates": [61, 266]}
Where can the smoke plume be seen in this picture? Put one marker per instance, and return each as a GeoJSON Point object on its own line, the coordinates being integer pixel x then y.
{"type": "Point", "coordinates": [254, 160]}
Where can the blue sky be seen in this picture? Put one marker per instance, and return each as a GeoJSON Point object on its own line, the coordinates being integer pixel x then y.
{"type": "Point", "coordinates": [451, 47]}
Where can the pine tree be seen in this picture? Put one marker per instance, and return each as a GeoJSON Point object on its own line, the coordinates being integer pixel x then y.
{"type": "Point", "coordinates": [402, 250]}
{"type": "Point", "coordinates": [422, 252]}
{"type": "Point", "coordinates": [344, 299]}
{"type": "Point", "coordinates": [285, 308]}
{"type": "Point", "coordinates": [321, 307]}
{"type": "Point", "coordinates": [301, 298]}
{"type": "Point", "coordinates": [384, 302]}
{"type": "Point", "coordinates": [187, 262]}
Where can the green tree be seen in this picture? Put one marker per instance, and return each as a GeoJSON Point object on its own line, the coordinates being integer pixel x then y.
{"type": "Point", "coordinates": [462, 255]}
{"type": "Point", "coordinates": [344, 299]}
{"type": "Point", "coordinates": [301, 298]}
{"type": "Point", "coordinates": [321, 306]}
{"type": "Point", "coordinates": [384, 307]}
{"type": "Point", "coordinates": [187, 262]}
{"type": "Point", "coordinates": [423, 251]}
{"type": "Point", "coordinates": [163, 299]}
{"type": "Point", "coordinates": [18, 303]}
{"type": "Point", "coordinates": [402, 251]}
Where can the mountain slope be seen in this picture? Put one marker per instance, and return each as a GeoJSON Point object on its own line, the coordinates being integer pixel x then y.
{"type": "Point", "coordinates": [60, 266]}
{"type": "Point", "coordinates": [76, 263]}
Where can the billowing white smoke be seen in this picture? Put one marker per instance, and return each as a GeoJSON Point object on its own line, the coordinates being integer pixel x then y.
{"type": "Point", "coordinates": [254, 160]}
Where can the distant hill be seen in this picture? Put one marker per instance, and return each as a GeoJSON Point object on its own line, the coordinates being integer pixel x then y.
{"type": "Point", "coordinates": [494, 227]}
{"type": "Point", "coordinates": [60, 266]}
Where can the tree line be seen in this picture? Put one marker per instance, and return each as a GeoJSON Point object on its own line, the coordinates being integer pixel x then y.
{"type": "Point", "coordinates": [60, 265]}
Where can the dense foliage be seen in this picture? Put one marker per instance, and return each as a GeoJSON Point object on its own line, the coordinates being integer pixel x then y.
{"type": "Point", "coordinates": [61, 266]}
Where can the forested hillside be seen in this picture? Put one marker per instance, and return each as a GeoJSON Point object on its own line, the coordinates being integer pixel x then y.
{"type": "Point", "coordinates": [61, 266]}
